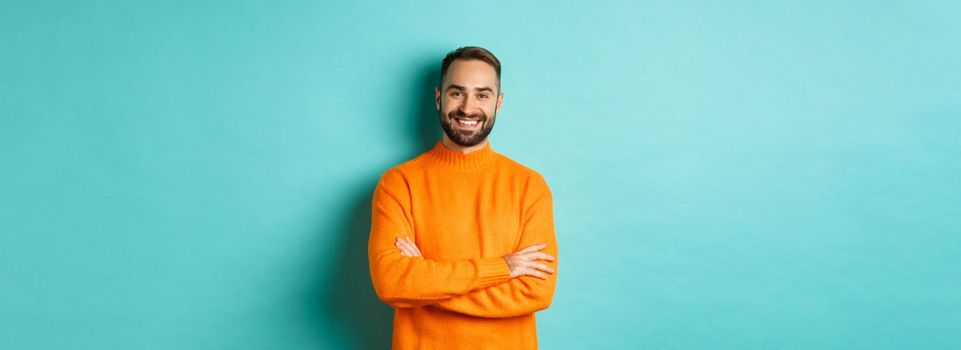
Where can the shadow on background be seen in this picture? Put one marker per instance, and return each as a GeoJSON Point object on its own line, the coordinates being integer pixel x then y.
{"type": "Point", "coordinates": [350, 297]}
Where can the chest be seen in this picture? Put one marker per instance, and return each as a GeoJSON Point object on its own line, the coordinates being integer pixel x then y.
{"type": "Point", "coordinates": [457, 219]}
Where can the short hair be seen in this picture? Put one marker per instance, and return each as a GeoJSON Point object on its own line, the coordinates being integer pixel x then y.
{"type": "Point", "coordinates": [470, 53]}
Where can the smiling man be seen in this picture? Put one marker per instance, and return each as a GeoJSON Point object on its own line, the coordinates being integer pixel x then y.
{"type": "Point", "coordinates": [462, 241]}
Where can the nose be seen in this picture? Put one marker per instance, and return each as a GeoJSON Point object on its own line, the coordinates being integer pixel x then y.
{"type": "Point", "coordinates": [467, 106]}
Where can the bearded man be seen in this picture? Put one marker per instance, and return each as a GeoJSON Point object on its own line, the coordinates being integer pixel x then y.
{"type": "Point", "coordinates": [462, 241]}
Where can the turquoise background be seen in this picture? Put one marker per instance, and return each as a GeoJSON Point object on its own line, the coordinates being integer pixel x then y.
{"type": "Point", "coordinates": [739, 175]}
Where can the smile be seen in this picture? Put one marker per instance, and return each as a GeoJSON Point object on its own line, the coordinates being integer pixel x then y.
{"type": "Point", "coordinates": [467, 123]}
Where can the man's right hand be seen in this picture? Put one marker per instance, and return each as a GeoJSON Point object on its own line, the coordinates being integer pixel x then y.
{"type": "Point", "coordinates": [523, 262]}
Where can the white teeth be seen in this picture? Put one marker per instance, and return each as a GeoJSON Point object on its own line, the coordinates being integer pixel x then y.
{"type": "Point", "coordinates": [467, 122]}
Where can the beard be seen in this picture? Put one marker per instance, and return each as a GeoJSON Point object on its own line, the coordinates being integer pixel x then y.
{"type": "Point", "coordinates": [463, 137]}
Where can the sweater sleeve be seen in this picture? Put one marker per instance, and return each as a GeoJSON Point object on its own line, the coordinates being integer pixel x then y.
{"type": "Point", "coordinates": [525, 294]}
{"type": "Point", "coordinates": [403, 281]}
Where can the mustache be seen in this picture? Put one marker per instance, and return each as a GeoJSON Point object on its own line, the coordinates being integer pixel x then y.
{"type": "Point", "coordinates": [459, 114]}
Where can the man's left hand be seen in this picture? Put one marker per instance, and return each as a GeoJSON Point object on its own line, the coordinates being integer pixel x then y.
{"type": "Point", "coordinates": [407, 246]}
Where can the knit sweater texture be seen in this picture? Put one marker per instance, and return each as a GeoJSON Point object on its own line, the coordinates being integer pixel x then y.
{"type": "Point", "coordinates": [465, 212]}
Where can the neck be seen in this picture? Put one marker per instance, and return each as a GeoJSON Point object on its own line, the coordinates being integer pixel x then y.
{"type": "Point", "coordinates": [461, 149]}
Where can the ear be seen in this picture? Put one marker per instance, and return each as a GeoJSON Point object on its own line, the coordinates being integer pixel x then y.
{"type": "Point", "coordinates": [500, 100]}
{"type": "Point", "coordinates": [437, 97]}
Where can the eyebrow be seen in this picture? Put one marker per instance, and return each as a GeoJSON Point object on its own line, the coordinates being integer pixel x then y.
{"type": "Point", "coordinates": [455, 86]}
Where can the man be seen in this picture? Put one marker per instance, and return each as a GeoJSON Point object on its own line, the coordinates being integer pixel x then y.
{"type": "Point", "coordinates": [462, 241]}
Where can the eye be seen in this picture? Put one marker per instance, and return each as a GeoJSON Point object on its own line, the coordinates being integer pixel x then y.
{"type": "Point", "coordinates": [456, 94]}
{"type": "Point", "coordinates": [482, 96]}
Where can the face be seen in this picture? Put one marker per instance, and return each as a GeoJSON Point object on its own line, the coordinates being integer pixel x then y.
{"type": "Point", "coordinates": [468, 101]}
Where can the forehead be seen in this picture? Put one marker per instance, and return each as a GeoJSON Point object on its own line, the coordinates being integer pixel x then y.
{"type": "Point", "coordinates": [471, 74]}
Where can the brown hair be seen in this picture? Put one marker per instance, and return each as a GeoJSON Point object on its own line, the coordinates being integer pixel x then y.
{"type": "Point", "coordinates": [470, 53]}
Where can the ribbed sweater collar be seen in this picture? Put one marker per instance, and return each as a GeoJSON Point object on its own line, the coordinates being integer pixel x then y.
{"type": "Point", "coordinates": [475, 160]}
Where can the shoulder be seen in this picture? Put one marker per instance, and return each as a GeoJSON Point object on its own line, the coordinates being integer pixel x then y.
{"type": "Point", "coordinates": [530, 177]}
{"type": "Point", "coordinates": [400, 172]}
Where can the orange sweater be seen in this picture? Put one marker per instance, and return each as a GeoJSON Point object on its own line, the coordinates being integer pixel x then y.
{"type": "Point", "coordinates": [464, 213]}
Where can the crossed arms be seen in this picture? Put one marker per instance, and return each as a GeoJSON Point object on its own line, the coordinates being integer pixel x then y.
{"type": "Point", "coordinates": [508, 286]}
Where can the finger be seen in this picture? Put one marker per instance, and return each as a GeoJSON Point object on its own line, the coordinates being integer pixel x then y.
{"type": "Point", "coordinates": [404, 248]}
{"type": "Point", "coordinates": [413, 247]}
{"type": "Point", "coordinates": [539, 255]}
{"type": "Point", "coordinates": [542, 267]}
{"type": "Point", "coordinates": [537, 274]}
{"type": "Point", "coordinates": [531, 248]}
